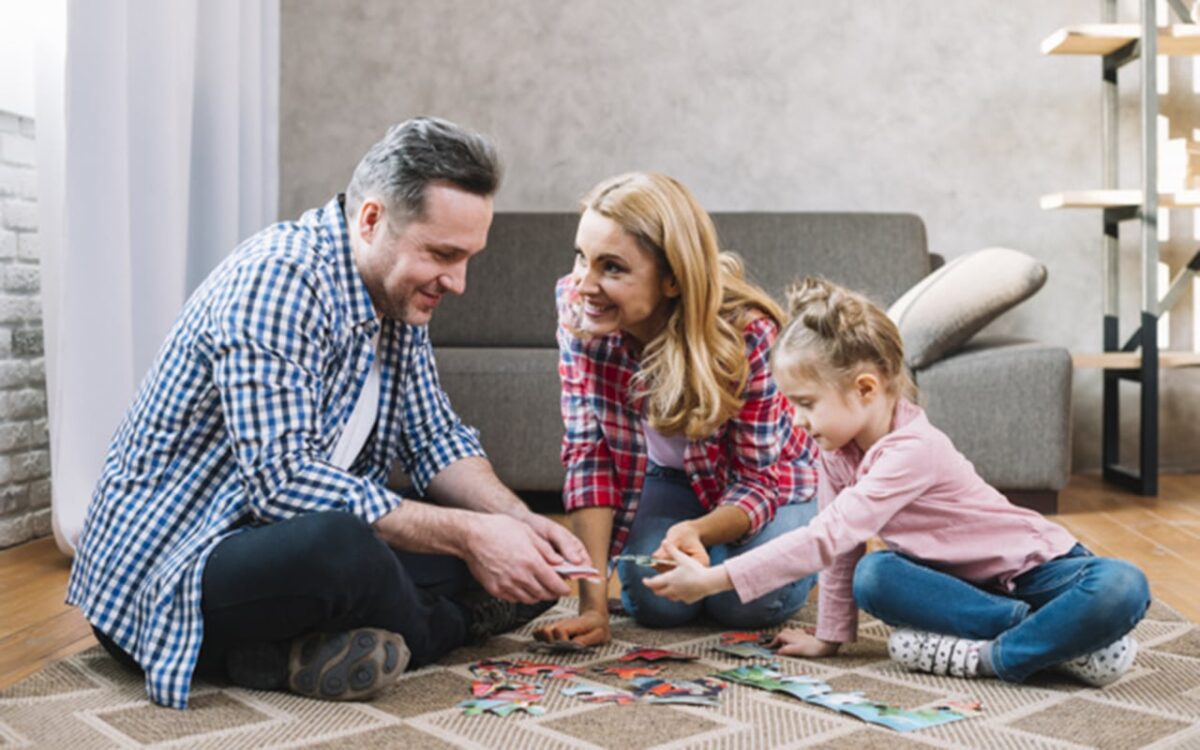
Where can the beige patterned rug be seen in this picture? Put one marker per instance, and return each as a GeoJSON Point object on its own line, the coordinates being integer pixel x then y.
{"type": "Point", "coordinates": [88, 701]}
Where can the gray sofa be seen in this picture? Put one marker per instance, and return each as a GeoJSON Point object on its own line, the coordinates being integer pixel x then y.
{"type": "Point", "coordinates": [1004, 402]}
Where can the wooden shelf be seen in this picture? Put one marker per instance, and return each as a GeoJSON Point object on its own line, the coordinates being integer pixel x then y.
{"type": "Point", "coordinates": [1117, 199]}
{"type": "Point", "coordinates": [1105, 38]}
{"type": "Point", "coordinates": [1132, 360]}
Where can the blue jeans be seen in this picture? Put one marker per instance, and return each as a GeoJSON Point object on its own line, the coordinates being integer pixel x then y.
{"type": "Point", "coordinates": [667, 499]}
{"type": "Point", "coordinates": [1062, 609]}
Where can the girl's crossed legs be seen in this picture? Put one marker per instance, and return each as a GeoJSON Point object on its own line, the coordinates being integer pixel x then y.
{"type": "Point", "coordinates": [1060, 610]}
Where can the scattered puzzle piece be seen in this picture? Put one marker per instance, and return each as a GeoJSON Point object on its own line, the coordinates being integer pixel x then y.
{"type": "Point", "coordinates": [476, 707]}
{"type": "Point", "coordinates": [628, 673]}
{"type": "Point", "coordinates": [745, 650]}
{"type": "Point", "coordinates": [655, 654]}
{"type": "Point", "coordinates": [811, 690]}
{"type": "Point", "coordinates": [599, 694]}
{"type": "Point", "coordinates": [646, 561]}
{"type": "Point", "coordinates": [557, 647]}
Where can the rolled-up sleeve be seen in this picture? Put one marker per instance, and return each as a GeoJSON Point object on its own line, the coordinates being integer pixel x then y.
{"type": "Point", "coordinates": [267, 348]}
{"type": "Point", "coordinates": [433, 436]}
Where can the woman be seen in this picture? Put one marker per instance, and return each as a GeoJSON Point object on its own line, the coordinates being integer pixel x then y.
{"type": "Point", "coordinates": [675, 430]}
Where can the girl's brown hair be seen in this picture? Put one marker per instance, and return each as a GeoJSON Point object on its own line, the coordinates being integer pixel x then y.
{"type": "Point", "coordinates": [834, 332]}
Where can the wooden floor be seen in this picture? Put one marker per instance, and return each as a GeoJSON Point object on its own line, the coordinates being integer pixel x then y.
{"type": "Point", "coordinates": [1161, 535]}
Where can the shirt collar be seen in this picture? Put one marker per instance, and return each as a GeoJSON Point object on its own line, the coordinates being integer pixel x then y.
{"type": "Point", "coordinates": [333, 218]}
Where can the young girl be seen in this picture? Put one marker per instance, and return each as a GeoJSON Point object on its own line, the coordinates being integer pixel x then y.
{"type": "Point", "coordinates": [973, 585]}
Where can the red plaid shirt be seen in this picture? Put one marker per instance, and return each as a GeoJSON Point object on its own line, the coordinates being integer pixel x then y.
{"type": "Point", "coordinates": [756, 461]}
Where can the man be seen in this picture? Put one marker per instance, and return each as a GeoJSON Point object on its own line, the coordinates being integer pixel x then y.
{"type": "Point", "coordinates": [241, 526]}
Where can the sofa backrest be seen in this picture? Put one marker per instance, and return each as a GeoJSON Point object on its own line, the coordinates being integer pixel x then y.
{"type": "Point", "coordinates": [509, 300]}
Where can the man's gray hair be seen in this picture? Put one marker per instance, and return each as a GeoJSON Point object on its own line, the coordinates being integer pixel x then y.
{"type": "Point", "coordinates": [415, 153]}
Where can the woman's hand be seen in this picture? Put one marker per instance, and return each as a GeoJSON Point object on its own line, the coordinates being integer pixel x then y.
{"type": "Point", "coordinates": [689, 581]}
{"type": "Point", "coordinates": [686, 538]}
{"type": "Point", "coordinates": [797, 642]}
{"type": "Point", "coordinates": [588, 628]}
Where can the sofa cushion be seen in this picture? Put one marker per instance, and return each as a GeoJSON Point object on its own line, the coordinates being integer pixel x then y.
{"type": "Point", "coordinates": [510, 286]}
{"type": "Point", "coordinates": [944, 310]}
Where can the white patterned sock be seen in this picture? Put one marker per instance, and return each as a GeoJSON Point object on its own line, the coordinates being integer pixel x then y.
{"type": "Point", "coordinates": [935, 653]}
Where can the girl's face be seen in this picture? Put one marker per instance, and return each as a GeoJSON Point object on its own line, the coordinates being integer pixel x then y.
{"type": "Point", "coordinates": [832, 415]}
{"type": "Point", "coordinates": [620, 284]}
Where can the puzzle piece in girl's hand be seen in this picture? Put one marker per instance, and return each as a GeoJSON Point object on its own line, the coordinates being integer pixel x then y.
{"type": "Point", "coordinates": [572, 572]}
{"type": "Point", "coordinates": [557, 647]}
{"type": "Point", "coordinates": [628, 673]}
{"type": "Point", "coordinates": [646, 561]}
{"type": "Point", "coordinates": [655, 654]}
{"type": "Point", "coordinates": [599, 694]}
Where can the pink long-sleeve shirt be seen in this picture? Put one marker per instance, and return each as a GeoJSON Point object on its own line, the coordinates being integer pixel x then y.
{"type": "Point", "coordinates": [924, 499]}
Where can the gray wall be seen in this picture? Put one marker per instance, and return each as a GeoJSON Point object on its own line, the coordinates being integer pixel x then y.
{"type": "Point", "coordinates": [24, 451]}
{"type": "Point", "coordinates": [943, 109]}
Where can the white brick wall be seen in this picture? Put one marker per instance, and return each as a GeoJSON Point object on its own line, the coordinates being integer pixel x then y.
{"type": "Point", "coordinates": [24, 441]}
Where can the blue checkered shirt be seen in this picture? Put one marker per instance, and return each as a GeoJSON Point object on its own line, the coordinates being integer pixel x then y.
{"type": "Point", "coordinates": [234, 426]}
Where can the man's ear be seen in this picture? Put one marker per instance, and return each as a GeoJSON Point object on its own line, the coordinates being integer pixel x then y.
{"type": "Point", "coordinates": [370, 220]}
{"type": "Point", "coordinates": [868, 387]}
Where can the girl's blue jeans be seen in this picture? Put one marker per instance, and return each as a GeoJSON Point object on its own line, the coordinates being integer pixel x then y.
{"type": "Point", "coordinates": [667, 498]}
{"type": "Point", "coordinates": [1060, 610]}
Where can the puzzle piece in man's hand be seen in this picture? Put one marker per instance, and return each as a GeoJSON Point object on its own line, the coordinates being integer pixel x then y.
{"type": "Point", "coordinates": [599, 694]}
{"type": "Point", "coordinates": [628, 673]}
{"type": "Point", "coordinates": [646, 561]}
{"type": "Point", "coordinates": [655, 654]}
{"type": "Point", "coordinates": [572, 572]}
{"type": "Point", "coordinates": [557, 647]}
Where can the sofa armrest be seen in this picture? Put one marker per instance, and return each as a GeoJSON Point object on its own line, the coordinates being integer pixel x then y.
{"type": "Point", "coordinates": [1006, 404]}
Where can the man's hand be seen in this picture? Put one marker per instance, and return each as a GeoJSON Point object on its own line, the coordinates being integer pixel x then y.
{"type": "Point", "coordinates": [563, 542]}
{"type": "Point", "coordinates": [689, 581]}
{"type": "Point", "coordinates": [797, 642]}
{"type": "Point", "coordinates": [511, 560]}
{"type": "Point", "coordinates": [686, 538]}
{"type": "Point", "coordinates": [589, 628]}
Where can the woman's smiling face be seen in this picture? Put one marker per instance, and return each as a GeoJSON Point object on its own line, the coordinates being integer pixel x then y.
{"type": "Point", "coordinates": [621, 284]}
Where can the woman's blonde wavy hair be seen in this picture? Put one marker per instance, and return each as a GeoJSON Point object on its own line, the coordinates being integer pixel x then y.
{"type": "Point", "coordinates": [694, 372]}
{"type": "Point", "coordinates": [834, 333]}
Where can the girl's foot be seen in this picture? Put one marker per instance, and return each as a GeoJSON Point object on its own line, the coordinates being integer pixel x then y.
{"type": "Point", "coordinates": [1105, 665]}
{"type": "Point", "coordinates": [935, 653]}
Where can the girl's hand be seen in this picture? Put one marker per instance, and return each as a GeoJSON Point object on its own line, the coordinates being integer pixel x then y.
{"type": "Point", "coordinates": [686, 539]}
{"type": "Point", "coordinates": [796, 642]}
{"type": "Point", "coordinates": [689, 581]}
{"type": "Point", "coordinates": [588, 628]}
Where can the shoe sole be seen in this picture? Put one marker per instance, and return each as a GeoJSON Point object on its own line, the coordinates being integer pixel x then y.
{"type": "Point", "coordinates": [348, 666]}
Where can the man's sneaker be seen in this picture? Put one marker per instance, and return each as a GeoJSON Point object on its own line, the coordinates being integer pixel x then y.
{"type": "Point", "coordinates": [935, 653]}
{"type": "Point", "coordinates": [1105, 665]}
{"type": "Point", "coordinates": [488, 616]}
{"type": "Point", "coordinates": [346, 666]}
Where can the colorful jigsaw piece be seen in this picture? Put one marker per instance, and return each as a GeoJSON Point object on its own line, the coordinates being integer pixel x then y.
{"type": "Point", "coordinates": [628, 673]}
{"type": "Point", "coordinates": [655, 654]}
{"type": "Point", "coordinates": [702, 692]}
{"type": "Point", "coordinates": [599, 694]}
{"type": "Point", "coordinates": [557, 647]}
{"type": "Point", "coordinates": [475, 707]}
{"type": "Point", "coordinates": [646, 561]}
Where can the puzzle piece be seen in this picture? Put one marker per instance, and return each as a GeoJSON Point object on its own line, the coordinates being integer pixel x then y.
{"type": "Point", "coordinates": [702, 692]}
{"type": "Point", "coordinates": [646, 561]}
{"type": "Point", "coordinates": [628, 673]}
{"type": "Point", "coordinates": [744, 650]}
{"type": "Point", "coordinates": [811, 690]}
{"type": "Point", "coordinates": [499, 670]}
{"type": "Point", "coordinates": [599, 694]}
{"type": "Point", "coordinates": [572, 572]}
{"type": "Point", "coordinates": [476, 707]}
{"type": "Point", "coordinates": [507, 691]}
{"type": "Point", "coordinates": [655, 654]}
{"type": "Point", "coordinates": [728, 639]}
